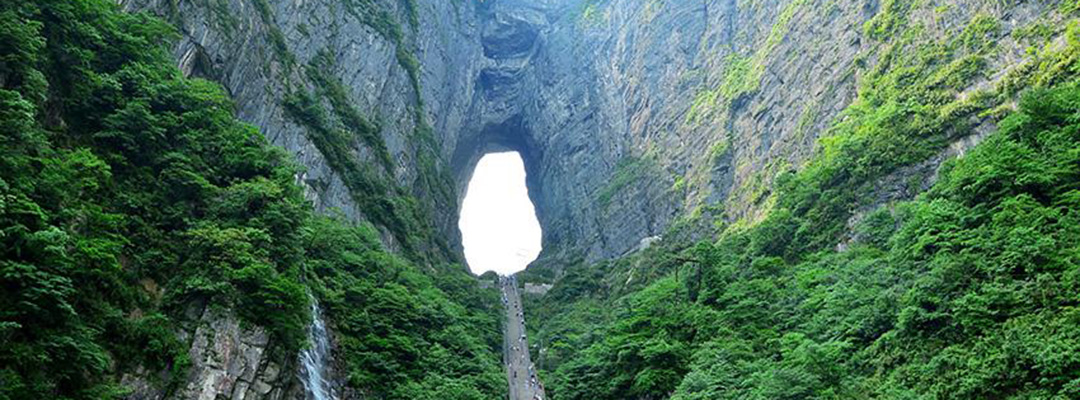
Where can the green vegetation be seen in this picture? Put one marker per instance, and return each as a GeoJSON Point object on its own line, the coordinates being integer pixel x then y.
{"type": "Point", "coordinates": [368, 189]}
{"type": "Point", "coordinates": [1049, 65]}
{"type": "Point", "coordinates": [742, 74]}
{"type": "Point", "coordinates": [376, 16]}
{"type": "Point", "coordinates": [651, 10]}
{"type": "Point", "coordinates": [406, 334]}
{"type": "Point", "coordinates": [908, 108]}
{"type": "Point", "coordinates": [385, 203]}
{"type": "Point", "coordinates": [629, 171]}
{"type": "Point", "coordinates": [892, 18]}
{"type": "Point", "coordinates": [332, 89]}
{"type": "Point", "coordinates": [590, 13]}
{"type": "Point", "coordinates": [381, 202]}
{"type": "Point", "coordinates": [978, 36]}
{"type": "Point", "coordinates": [119, 175]}
{"type": "Point", "coordinates": [129, 194]}
{"type": "Point", "coordinates": [719, 150]}
{"type": "Point", "coordinates": [967, 292]}
{"type": "Point", "coordinates": [220, 10]}
{"type": "Point", "coordinates": [277, 39]}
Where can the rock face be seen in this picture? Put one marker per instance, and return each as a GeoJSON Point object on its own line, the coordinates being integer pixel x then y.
{"type": "Point", "coordinates": [228, 361]}
{"type": "Point", "coordinates": [261, 50]}
{"type": "Point", "coordinates": [629, 114]}
{"type": "Point", "coordinates": [633, 113]}
{"type": "Point", "coordinates": [232, 360]}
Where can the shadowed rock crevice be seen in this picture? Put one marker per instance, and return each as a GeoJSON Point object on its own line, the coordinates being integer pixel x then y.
{"type": "Point", "coordinates": [510, 36]}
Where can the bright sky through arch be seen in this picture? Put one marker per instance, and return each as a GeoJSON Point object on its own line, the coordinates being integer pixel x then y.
{"type": "Point", "coordinates": [498, 223]}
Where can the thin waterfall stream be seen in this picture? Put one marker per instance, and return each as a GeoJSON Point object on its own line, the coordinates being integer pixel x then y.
{"type": "Point", "coordinates": [315, 359]}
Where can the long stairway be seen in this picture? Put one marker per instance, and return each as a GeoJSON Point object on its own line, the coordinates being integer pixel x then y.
{"type": "Point", "coordinates": [520, 372]}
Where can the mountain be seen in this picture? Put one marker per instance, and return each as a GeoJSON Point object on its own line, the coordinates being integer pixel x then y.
{"type": "Point", "coordinates": [739, 198]}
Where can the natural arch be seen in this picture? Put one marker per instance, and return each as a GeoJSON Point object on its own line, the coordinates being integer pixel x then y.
{"type": "Point", "coordinates": [498, 223]}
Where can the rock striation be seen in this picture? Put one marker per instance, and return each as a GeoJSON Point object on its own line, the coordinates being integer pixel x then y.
{"type": "Point", "coordinates": [228, 361]}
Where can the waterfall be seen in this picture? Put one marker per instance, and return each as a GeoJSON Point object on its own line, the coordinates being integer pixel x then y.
{"type": "Point", "coordinates": [314, 359]}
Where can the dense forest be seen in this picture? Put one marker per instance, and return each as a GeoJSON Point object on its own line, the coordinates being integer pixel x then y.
{"type": "Point", "coordinates": [969, 291]}
{"type": "Point", "coordinates": [129, 194]}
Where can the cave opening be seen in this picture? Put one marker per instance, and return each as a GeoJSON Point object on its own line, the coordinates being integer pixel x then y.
{"type": "Point", "coordinates": [499, 228]}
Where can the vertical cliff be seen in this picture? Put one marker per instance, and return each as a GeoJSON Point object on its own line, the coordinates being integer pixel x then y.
{"type": "Point", "coordinates": [639, 114]}
{"type": "Point", "coordinates": [788, 135]}
{"type": "Point", "coordinates": [395, 78]}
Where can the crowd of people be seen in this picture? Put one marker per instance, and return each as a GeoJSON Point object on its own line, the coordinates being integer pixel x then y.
{"type": "Point", "coordinates": [509, 285]}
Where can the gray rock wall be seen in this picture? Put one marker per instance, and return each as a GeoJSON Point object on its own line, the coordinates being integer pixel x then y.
{"type": "Point", "coordinates": [626, 111]}
{"type": "Point", "coordinates": [228, 361]}
{"type": "Point", "coordinates": [232, 42]}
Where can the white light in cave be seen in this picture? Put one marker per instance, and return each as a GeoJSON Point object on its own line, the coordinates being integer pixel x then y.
{"type": "Point", "coordinates": [498, 223]}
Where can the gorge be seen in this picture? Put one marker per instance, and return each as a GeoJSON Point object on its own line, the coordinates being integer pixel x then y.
{"type": "Point", "coordinates": [766, 199]}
